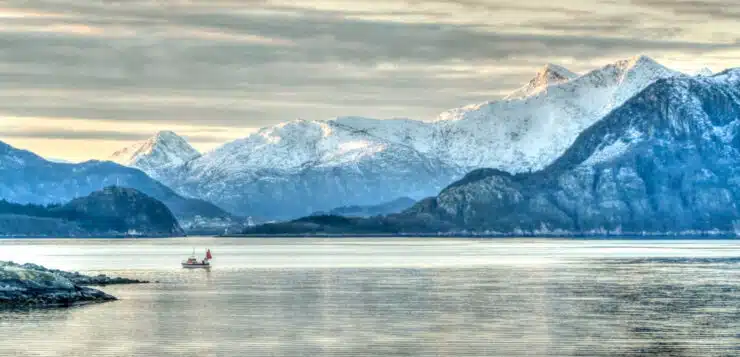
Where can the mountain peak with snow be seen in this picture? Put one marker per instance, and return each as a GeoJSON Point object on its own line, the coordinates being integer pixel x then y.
{"type": "Point", "coordinates": [164, 149]}
{"type": "Point", "coordinates": [548, 75]}
{"type": "Point", "coordinates": [166, 135]}
{"type": "Point", "coordinates": [638, 60]}
{"type": "Point", "coordinates": [641, 62]}
{"type": "Point", "coordinates": [533, 126]}
{"type": "Point", "coordinates": [553, 72]}
{"type": "Point", "coordinates": [705, 72]}
{"type": "Point", "coordinates": [637, 66]}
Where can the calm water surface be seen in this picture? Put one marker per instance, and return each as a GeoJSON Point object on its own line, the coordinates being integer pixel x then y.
{"type": "Point", "coordinates": [390, 297]}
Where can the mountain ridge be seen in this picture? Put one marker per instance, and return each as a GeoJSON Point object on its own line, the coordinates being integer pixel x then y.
{"type": "Point", "coordinates": [673, 173]}
{"type": "Point", "coordinates": [395, 206]}
{"type": "Point", "coordinates": [337, 156]}
{"type": "Point", "coordinates": [365, 171]}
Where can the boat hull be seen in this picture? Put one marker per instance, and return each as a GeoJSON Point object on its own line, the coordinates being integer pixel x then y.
{"type": "Point", "coordinates": [196, 266]}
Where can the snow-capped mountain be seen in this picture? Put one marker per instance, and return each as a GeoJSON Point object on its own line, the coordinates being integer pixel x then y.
{"type": "Point", "coordinates": [529, 129]}
{"type": "Point", "coordinates": [526, 131]}
{"type": "Point", "coordinates": [293, 146]}
{"type": "Point", "coordinates": [666, 162]}
{"type": "Point", "coordinates": [549, 75]}
{"type": "Point", "coordinates": [161, 150]}
{"type": "Point", "coordinates": [300, 167]}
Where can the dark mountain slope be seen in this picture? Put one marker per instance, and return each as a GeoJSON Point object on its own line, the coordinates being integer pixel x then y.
{"type": "Point", "coordinates": [111, 212]}
{"type": "Point", "coordinates": [395, 206]}
{"type": "Point", "coordinates": [28, 178]}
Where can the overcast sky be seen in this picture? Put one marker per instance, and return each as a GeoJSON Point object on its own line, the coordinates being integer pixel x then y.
{"type": "Point", "coordinates": [81, 78]}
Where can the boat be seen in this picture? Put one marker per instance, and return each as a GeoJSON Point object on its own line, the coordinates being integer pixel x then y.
{"type": "Point", "coordinates": [194, 263]}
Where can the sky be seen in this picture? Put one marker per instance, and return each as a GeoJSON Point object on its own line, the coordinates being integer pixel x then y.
{"type": "Point", "coordinates": [83, 78]}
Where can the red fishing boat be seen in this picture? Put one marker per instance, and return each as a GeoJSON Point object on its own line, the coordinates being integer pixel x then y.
{"type": "Point", "coordinates": [194, 263]}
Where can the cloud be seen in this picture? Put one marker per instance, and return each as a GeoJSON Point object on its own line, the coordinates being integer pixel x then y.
{"type": "Point", "coordinates": [86, 135]}
{"type": "Point", "coordinates": [243, 64]}
{"type": "Point", "coordinates": [719, 9]}
{"type": "Point", "coordinates": [71, 134]}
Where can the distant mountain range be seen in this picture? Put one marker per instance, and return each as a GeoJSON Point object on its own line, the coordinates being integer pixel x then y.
{"type": "Point", "coordinates": [111, 212]}
{"type": "Point", "coordinates": [30, 179]}
{"type": "Point", "coordinates": [300, 167]}
{"type": "Point", "coordinates": [667, 162]}
{"type": "Point", "coordinates": [629, 148]}
{"type": "Point", "coordinates": [395, 206]}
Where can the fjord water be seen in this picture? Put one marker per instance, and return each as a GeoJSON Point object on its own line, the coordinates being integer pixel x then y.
{"type": "Point", "coordinates": [389, 297]}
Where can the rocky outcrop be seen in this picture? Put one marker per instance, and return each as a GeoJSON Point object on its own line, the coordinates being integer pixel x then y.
{"type": "Point", "coordinates": [31, 285]}
{"type": "Point", "coordinates": [76, 277]}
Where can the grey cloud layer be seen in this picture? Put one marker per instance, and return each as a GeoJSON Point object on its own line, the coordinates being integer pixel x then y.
{"type": "Point", "coordinates": [253, 63]}
{"type": "Point", "coordinates": [96, 134]}
{"type": "Point", "coordinates": [707, 9]}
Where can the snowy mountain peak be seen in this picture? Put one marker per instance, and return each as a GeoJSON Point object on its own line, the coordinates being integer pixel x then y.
{"type": "Point", "coordinates": [704, 72]}
{"type": "Point", "coordinates": [534, 126]}
{"type": "Point", "coordinates": [552, 72]}
{"type": "Point", "coordinates": [625, 78]}
{"type": "Point", "coordinates": [167, 135]}
{"type": "Point", "coordinates": [164, 149]}
{"type": "Point", "coordinates": [548, 75]}
{"type": "Point", "coordinates": [639, 60]}
{"type": "Point", "coordinates": [637, 66]}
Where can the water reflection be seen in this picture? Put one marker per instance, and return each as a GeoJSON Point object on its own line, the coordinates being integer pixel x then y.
{"type": "Point", "coordinates": [575, 307]}
{"type": "Point", "coordinates": [650, 307]}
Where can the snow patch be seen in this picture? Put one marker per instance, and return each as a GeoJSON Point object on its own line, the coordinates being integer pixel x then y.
{"type": "Point", "coordinates": [614, 149]}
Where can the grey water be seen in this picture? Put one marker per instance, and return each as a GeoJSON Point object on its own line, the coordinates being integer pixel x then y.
{"type": "Point", "coordinates": [389, 297]}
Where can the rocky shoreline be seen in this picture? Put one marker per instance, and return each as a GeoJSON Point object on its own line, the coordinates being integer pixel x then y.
{"type": "Point", "coordinates": [31, 285]}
